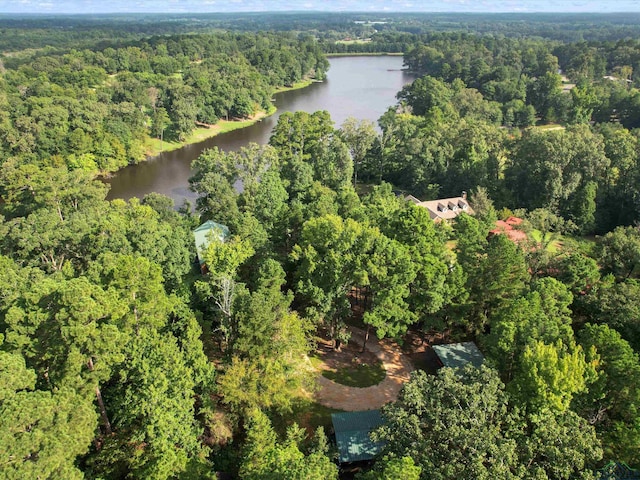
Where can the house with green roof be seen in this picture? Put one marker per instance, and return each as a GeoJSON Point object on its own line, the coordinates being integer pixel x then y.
{"type": "Point", "coordinates": [458, 354]}
{"type": "Point", "coordinates": [206, 233]}
{"type": "Point", "coordinates": [352, 431]}
{"type": "Point", "coordinates": [618, 471]}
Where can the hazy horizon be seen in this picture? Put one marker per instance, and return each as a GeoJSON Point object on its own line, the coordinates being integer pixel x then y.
{"type": "Point", "coordinates": [388, 6]}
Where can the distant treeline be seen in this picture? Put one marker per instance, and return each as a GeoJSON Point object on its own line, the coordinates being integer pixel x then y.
{"type": "Point", "coordinates": [68, 31]}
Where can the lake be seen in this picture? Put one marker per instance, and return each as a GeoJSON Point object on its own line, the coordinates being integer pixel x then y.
{"type": "Point", "coordinates": [361, 87]}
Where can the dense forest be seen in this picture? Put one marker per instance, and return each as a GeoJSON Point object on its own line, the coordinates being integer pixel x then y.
{"type": "Point", "coordinates": [53, 32]}
{"type": "Point", "coordinates": [119, 358]}
{"type": "Point", "coordinates": [95, 110]}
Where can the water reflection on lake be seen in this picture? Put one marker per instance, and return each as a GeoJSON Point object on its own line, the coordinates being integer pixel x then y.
{"type": "Point", "coordinates": [361, 87]}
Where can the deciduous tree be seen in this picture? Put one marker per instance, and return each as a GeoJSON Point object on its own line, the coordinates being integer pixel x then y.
{"type": "Point", "coordinates": [267, 458]}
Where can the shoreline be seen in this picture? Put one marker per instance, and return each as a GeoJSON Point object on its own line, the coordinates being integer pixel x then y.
{"type": "Point", "coordinates": [365, 54]}
{"type": "Point", "coordinates": [297, 86]}
{"type": "Point", "coordinates": [154, 147]}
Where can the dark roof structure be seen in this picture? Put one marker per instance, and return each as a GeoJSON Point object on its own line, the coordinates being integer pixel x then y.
{"type": "Point", "coordinates": [352, 431]}
{"type": "Point", "coordinates": [459, 354]}
{"type": "Point", "coordinates": [618, 471]}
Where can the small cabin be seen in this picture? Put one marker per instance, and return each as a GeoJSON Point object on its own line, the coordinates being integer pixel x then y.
{"type": "Point", "coordinates": [206, 233]}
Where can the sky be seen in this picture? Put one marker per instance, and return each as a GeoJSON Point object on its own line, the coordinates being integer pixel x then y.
{"type": "Point", "coordinates": [189, 6]}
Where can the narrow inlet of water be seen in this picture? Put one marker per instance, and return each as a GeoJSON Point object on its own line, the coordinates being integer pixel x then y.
{"type": "Point", "coordinates": [360, 87]}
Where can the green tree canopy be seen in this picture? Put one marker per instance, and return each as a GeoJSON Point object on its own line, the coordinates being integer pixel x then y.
{"type": "Point", "coordinates": [42, 433]}
{"type": "Point", "coordinates": [461, 424]}
{"type": "Point", "coordinates": [267, 458]}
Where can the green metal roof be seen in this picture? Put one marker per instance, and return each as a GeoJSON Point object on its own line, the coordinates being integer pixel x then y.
{"type": "Point", "coordinates": [618, 471]}
{"type": "Point", "coordinates": [206, 232]}
{"type": "Point", "coordinates": [459, 354]}
{"type": "Point", "coordinates": [352, 434]}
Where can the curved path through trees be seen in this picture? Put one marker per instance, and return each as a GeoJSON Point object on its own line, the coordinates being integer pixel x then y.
{"type": "Point", "coordinates": [398, 369]}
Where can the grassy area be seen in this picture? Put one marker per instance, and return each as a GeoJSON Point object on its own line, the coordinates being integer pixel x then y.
{"type": "Point", "coordinates": [296, 86]}
{"type": "Point", "coordinates": [357, 41]}
{"type": "Point", "coordinates": [551, 126]}
{"type": "Point", "coordinates": [363, 375]}
{"type": "Point", "coordinates": [365, 54]}
{"type": "Point", "coordinates": [553, 240]}
{"type": "Point", "coordinates": [154, 146]}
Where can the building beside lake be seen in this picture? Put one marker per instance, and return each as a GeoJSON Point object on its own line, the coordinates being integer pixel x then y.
{"type": "Point", "coordinates": [206, 233]}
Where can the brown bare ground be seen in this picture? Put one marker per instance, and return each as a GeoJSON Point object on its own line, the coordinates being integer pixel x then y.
{"type": "Point", "coordinates": [397, 366]}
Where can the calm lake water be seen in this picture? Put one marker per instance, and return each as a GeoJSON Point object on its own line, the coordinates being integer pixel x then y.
{"type": "Point", "coordinates": [361, 87]}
